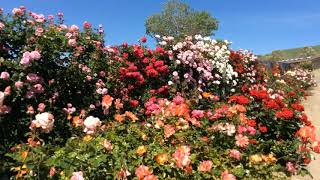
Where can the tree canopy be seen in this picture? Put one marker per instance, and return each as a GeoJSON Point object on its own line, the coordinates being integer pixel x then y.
{"type": "Point", "coordinates": [179, 19]}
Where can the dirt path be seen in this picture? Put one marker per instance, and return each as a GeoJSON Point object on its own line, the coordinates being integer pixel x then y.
{"type": "Point", "coordinates": [312, 108]}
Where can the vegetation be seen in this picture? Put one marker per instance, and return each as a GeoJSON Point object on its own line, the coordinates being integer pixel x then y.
{"type": "Point", "coordinates": [292, 53]}
{"type": "Point", "coordinates": [73, 108]}
{"type": "Point", "coordinates": [178, 19]}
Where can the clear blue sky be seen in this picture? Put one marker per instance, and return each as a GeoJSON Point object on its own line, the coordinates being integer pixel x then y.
{"type": "Point", "coordinates": [261, 26]}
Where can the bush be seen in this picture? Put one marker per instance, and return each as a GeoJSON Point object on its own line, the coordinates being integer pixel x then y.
{"type": "Point", "coordinates": [72, 107]}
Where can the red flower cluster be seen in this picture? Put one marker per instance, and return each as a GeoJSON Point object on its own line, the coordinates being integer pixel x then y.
{"type": "Point", "coordinates": [131, 72]}
{"type": "Point", "coordinates": [155, 68]}
{"type": "Point", "coordinates": [237, 59]}
{"type": "Point", "coordinates": [285, 113]}
{"type": "Point", "coordinates": [259, 94]}
{"type": "Point", "coordinates": [297, 106]}
{"type": "Point", "coordinates": [275, 104]}
{"type": "Point", "coordinates": [239, 99]}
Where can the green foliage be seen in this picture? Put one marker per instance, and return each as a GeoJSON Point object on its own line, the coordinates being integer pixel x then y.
{"type": "Point", "coordinates": [177, 19]}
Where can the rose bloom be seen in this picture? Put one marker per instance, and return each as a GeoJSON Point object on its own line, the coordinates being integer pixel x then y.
{"type": "Point", "coordinates": [18, 84]}
{"type": "Point", "coordinates": [4, 75]}
{"type": "Point", "coordinates": [241, 140]}
{"type": "Point", "coordinates": [31, 77]}
{"type": "Point", "coordinates": [17, 11]}
{"type": "Point", "coordinates": [44, 121]}
{"type": "Point", "coordinates": [1, 25]}
{"type": "Point", "coordinates": [77, 176]}
{"type": "Point", "coordinates": [316, 146]}
{"type": "Point", "coordinates": [143, 39]}
{"type": "Point", "coordinates": [7, 90]}
{"type": "Point", "coordinates": [1, 98]}
{"type": "Point", "coordinates": [72, 42]}
{"type": "Point", "coordinates": [41, 107]}
{"type": "Point", "coordinates": [35, 55]}
{"type": "Point", "coordinates": [168, 131]}
{"type": "Point", "coordinates": [74, 28]}
{"type": "Point", "coordinates": [182, 156]}
{"type": "Point", "coordinates": [91, 123]}
{"type": "Point", "coordinates": [107, 144]}
{"type": "Point", "coordinates": [290, 167]}
{"type": "Point", "coordinates": [86, 25]}
{"type": "Point", "coordinates": [52, 171]}
{"type": "Point", "coordinates": [227, 176]}
{"type": "Point", "coordinates": [205, 166]}
{"type": "Point", "coordinates": [25, 61]}
{"type": "Point", "coordinates": [235, 154]}
{"type": "Point", "coordinates": [142, 171]}
{"type": "Point", "coordinates": [39, 31]}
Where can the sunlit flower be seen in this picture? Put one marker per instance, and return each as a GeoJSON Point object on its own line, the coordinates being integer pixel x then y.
{"type": "Point", "coordinates": [77, 176]}
{"type": "Point", "coordinates": [91, 123]}
{"type": "Point", "coordinates": [205, 166]}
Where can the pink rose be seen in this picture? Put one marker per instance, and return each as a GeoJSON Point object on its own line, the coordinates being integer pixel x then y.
{"type": "Point", "coordinates": [235, 154]}
{"type": "Point", "coordinates": [1, 98]}
{"type": "Point", "coordinates": [72, 42]}
{"type": "Point", "coordinates": [37, 88]}
{"type": "Point", "coordinates": [168, 130]}
{"type": "Point", "coordinates": [241, 140]}
{"type": "Point", "coordinates": [41, 107]}
{"type": "Point", "coordinates": [25, 61]}
{"type": "Point", "coordinates": [17, 11]}
{"type": "Point", "coordinates": [1, 26]}
{"type": "Point", "coordinates": [205, 166]}
{"type": "Point", "coordinates": [18, 84]}
{"type": "Point", "coordinates": [52, 171]}
{"type": "Point", "coordinates": [142, 171]}
{"type": "Point", "coordinates": [227, 176]}
{"type": "Point", "coordinates": [35, 55]}
{"type": "Point", "coordinates": [4, 75]}
{"type": "Point", "coordinates": [7, 90]}
{"type": "Point", "coordinates": [74, 28]}
{"type": "Point", "coordinates": [50, 17]}
{"type": "Point", "coordinates": [290, 167]}
{"type": "Point", "coordinates": [31, 77]}
{"type": "Point", "coordinates": [77, 176]}
{"type": "Point", "coordinates": [39, 31]}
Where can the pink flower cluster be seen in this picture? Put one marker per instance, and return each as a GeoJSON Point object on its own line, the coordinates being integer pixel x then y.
{"type": "Point", "coordinates": [143, 173]}
{"type": "Point", "coordinates": [182, 156]}
{"type": "Point", "coordinates": [28, 57]}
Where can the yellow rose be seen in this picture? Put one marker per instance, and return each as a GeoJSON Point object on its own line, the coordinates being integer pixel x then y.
{"type": "Point", "coordinates": [87, 138]}
{"type": "Point", "coordinates": [255, 158]}
{"type": "Point", "coordinates": [161, 158]}
{"type": "Point", "coordinates": [141, 150]}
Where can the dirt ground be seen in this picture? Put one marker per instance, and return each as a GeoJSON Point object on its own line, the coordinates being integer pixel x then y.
{"type": "Point", "coordinates": [312, 108]}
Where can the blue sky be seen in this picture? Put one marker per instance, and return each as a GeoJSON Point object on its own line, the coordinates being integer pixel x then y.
{"type": "Point", "coordinates": [261, 26]}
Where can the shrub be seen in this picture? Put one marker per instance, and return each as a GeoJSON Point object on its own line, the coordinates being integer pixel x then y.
{"type": "Point", "coordinates": [72, 107]}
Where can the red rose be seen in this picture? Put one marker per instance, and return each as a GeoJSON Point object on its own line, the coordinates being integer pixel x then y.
{"type": "Point", "coordinates": [134, 103]}
{"type": "Point", "coordinates": [143, 39]}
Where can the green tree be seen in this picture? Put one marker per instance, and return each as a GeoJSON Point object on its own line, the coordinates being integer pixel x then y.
{"type": "Point", "coordinates": [178, 19]}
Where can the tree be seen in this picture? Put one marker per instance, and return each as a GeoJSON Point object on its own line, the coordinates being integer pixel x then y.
{"type": "Point", "coordinates": [178, 19]}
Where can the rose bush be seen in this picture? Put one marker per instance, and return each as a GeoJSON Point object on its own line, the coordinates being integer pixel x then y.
{"type": "Point", "coordinates": [72, 107]}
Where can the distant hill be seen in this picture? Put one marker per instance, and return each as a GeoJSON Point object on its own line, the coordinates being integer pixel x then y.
{"type": "Point", "coordinates": [303, 52]}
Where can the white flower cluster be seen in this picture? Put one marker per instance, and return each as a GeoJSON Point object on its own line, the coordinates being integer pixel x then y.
{"type": "Point", "coordinates": [44, 121]}
{"type": "Point", "coordinates": [204, 60]}
{"type": "Point", "coordinates": [302, 75]}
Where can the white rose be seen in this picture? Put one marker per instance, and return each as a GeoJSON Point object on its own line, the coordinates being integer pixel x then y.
{"type": "Point", "coordinates": [91, 123]}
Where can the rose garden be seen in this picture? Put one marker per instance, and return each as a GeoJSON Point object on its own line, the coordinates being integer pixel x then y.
{"type": "Point", "coordinates": [72, 107]}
